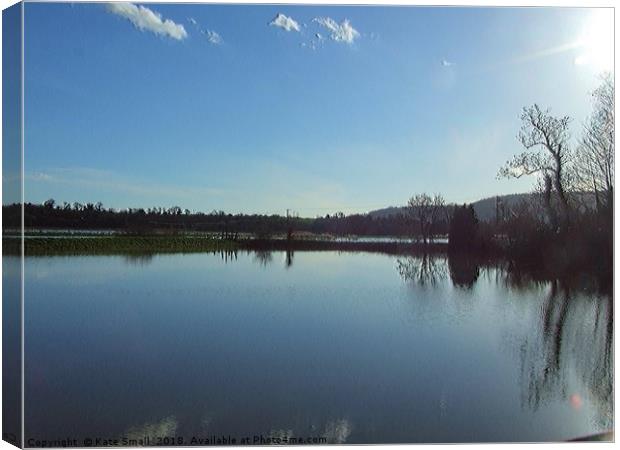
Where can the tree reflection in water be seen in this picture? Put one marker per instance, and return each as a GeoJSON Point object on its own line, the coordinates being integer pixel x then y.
{"type": "Point", "coordinates": [423, 270]}
{"type": "Point", "coordinates": [428, 270]}
{"type": "Point", "coordinates": [228, 255]}
{"type": "Point", "coordinates": [573, 335]}
{"type": "Point", "coordinates": [290, 254]}
{"type": "Point", "coordinates": [576, 336]}
{"type": "Point", "coordinates": [138, 259]}
{"type": "Point", "coordinates": [464, 271]}
{"type": "Point", "coordinates": [263, 257]}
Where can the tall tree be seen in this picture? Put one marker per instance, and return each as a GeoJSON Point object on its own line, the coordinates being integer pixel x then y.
{"type": "Point", "coordinates": [546, 140]}
{"type": "Point", "coordinates": [425, 211]}
{"type": "Point", "coordinates": [463, 235]}
{"type": "Point", "coordinates": [595, 153]}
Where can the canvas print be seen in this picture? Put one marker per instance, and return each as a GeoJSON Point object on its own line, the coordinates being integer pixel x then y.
{"type": "Point", "coordinates": [254, 224]}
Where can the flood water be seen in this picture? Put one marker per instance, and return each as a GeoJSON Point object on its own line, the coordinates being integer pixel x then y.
{"type": "Point", "coordinates": [350, 347]}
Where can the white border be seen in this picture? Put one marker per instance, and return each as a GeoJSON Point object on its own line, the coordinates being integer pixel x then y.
{"type": "Point", "coordinates": [480, 3]}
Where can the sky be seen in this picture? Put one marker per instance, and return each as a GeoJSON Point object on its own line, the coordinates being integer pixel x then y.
{"type": "Point", "coordinates": [312, 108]}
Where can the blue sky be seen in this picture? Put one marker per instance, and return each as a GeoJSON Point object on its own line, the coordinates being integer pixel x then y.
{"type": "Point", "coordinates": [223, 107]}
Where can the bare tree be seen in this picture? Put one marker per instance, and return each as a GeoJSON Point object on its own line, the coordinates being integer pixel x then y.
{"type": "Point", "coordinates": [547, 154]}
{"type": "Point", "coordinates": [595, 154]}
{"type": "Point", "coordinates": [425, 211]}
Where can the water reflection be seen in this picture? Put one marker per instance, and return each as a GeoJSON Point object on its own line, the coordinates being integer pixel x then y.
{"type": "Point", "coordinates": [482, 353]}
{"type": "Point", "coordinates": [572, 334]}
{"type": "Point", "coordinates": [145, 259]}
{"type": "Point", "coordinates": [464, 271]}
{"type": "Point", "coordinates": [337, 431]}
{"type": "Point", "coordinates": [263, 257]}
{"type": "Point", "coordinates": [518, 279]}
{"type": "Point", "coordinates": [162, 428]}
{"type": "Point", "coordinates": [289, 258]}
{"type": "Point", "coordinates": [432, 269]}
{"type": "Point", "coordinates": [228, 255]}
{"type": "Point", "coordinates": [138, 260]}
{"type": "Point", "coordinates": [422, 270]}
{"type": "Point", "coordinates": [576, 337]}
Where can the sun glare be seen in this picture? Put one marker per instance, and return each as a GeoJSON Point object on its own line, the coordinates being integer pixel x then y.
{"type": "Point", "coordinates": [596, 42]}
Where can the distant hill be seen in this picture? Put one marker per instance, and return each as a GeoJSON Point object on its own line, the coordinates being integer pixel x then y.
{"type": "Point", "coordinates": [387, 212]}
{"type": "Point", "coordinates": [485, 208]}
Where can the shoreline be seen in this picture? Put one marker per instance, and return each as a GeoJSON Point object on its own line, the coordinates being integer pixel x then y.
{"type": "Point", "coordinates": [150, 245]}
{"type": "Point", "coordinates": [112, 244]}
{"type": "Point", "coordinates": [122, 244]}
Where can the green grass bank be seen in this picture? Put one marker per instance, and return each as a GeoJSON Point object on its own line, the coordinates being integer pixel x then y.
{"type": "Point", "coordinates": [115, 245]}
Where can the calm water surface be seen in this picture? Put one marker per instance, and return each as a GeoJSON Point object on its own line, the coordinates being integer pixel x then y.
{"type": "Point", "coordinates": [356, 348]}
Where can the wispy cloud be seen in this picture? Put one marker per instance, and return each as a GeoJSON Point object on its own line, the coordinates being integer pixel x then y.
{"type": "Point", "coordinates": [213, 37]}
{"type": "Point", "coordinates": [285, 22]}
{"type": "Point", "coordinates": [146, 19]}
{"type": "Point", "coordinates": [343, 32]}
{"type": "Point", "coordinates": [106, 181]}
{"type": "Point", "coordinates": [270, 183]}
{"type": "Point", "coordinates": [446, 63]}
{"type": "Point", "coordinates": [39, 176]}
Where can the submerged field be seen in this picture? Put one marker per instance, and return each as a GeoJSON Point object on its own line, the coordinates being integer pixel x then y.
{"type": "Point", "coordinates": [115, 244]}
{"type": "Point", "coordinates": [50, 243]}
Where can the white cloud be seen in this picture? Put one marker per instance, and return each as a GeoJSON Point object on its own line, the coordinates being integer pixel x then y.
{"type": "Point", "coordinates": [446, 63]}
{"type": "Point", "coordinates": [285, 22]}
{"type": "Point", "coordinates": [40, 176]}
{"type": "Point", "coordinates": [146, 19]}
{"type": "Point", "coordinates": [213, 37]}
{"type": "Point", "coordinates": [343, 32]}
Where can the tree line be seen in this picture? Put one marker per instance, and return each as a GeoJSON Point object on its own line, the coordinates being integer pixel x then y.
{"type": "Point", "coordinates": [92, 216]}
